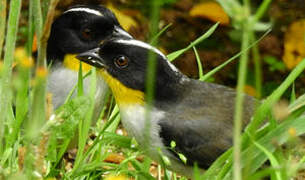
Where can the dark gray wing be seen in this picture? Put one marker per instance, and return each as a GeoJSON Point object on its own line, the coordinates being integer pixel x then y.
{"type": "Point", "coordinates": [201, 123]}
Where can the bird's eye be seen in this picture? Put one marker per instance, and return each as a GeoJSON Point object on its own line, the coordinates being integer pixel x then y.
{"type": "Point", "coordinates": [121, 61]}
{"type": "Point", "coordinates": [86, 33]}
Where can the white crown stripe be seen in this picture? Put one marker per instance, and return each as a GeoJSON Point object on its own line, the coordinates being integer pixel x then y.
{"type": "Point", "coordinates": [140, 44]}
{"type": "Point", "coordinates": [87, 10]}
{"type": "Point", "coordinates": [146, 46]}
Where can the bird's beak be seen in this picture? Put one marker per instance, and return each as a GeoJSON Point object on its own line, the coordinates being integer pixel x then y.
{"type": "Point", "coordinates": [118, 32]}
{"type": "Point", "coordinates": [92, 57]}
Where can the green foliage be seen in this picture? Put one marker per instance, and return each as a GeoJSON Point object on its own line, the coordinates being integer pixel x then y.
{"type": "Point", "coordinates": [274, 63]}
{"type": "Point", "coordinates": [172, 56]}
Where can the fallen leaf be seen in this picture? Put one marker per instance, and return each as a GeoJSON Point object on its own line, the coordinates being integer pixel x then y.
{"type": "Point", "coordinates": [114, 158]}
{"type": "Point", "coordinates": [210, 10]}
{"type": "Point", "coordinates": [294, 44]}
{"type": "Point", "coordinates": [116, 177]}
{"type": "Point", "coordinates": [126, 21]}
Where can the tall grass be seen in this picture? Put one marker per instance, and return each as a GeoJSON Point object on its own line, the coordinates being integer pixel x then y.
{"type": "Point", "coordinates": [6, 74]}
{"type": "Point", "coordinates": [34, 139]}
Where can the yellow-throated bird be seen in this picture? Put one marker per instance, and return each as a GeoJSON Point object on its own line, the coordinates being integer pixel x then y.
{"type": "Point", "coordinates": [197, 116]}
{"type": "Point", "coordinates": [78, 29]}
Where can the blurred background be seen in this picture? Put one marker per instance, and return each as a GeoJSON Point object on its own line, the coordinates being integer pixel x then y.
{"type": "Point", "coordinates": [279, 51]}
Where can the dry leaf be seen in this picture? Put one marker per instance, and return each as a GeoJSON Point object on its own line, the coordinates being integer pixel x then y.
{"type": "Point", "coordinates": [126, 21]}
{"type": "Point", "coordinates": [294, 44]}
{"type": "Point", "coordinates": [114, 158]}
{"type": "Point", "coordinates": [212, 11]}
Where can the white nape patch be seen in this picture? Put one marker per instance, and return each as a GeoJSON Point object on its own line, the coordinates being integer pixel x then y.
{"type": "Point", "coordinates": [121, 31]}
{"type": "Point", "coordinates": [149, 47]}
{"type": "Point", "coordinates": [87, 10]}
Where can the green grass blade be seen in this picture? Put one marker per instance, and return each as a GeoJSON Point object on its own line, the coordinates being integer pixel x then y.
{"type": "Point", "coordinates": [218, 68]}
{"type": "Point", "coordinates": [198, 63]}
{"type": "Point", "coordinates": [38, 23]}
{"type": "Point", "coordinates": [292, 95]}
{"type": "Point", "coordinates": [22, 100]}
{"type": "Point", "coordinates": [280, 134]}
{"type": "Point", "coordinates": [155, 38]}
{"type": "Point", "coordinates": [261, 10]}
{"type": "Point", "coordinates": [172, 56]}
{"type": "Point", "coordinates": [115, 114]}
{"type": "Point", "coordinates": [215, 168]}
{"type": "Point", "coordinates": [84, 125]}
{"type": "Point", "coordinates": [68, 98]}
{"type": "Point", "coordinates": [297, 104]}
{"type": "Point", "coordinates": [80, 82]}
{"type": "Point", "coordinates": [264, 109]}
{"type": "Point", "coordinates": [274, 162]}
{"type": "Point", "coordinates": [5, 90]}
{"type": "Point", "coordinates": [257, 67]}
{"type": "Point", "coordinates": [241, 81]}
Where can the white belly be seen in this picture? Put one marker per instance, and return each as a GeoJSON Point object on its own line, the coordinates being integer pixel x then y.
{"type": "Point", "coordinates": [62, 80]}
{"type": "Point", "coordinates": [133, 119]}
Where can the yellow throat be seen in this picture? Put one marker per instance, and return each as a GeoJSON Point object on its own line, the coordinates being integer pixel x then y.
{"type": "Point", "coordinates": [72, 63]}
{"type": "Point", "coordinates": [122, 94]}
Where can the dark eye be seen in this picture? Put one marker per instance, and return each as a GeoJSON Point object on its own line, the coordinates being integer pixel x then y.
{"type": "Point", "coordinates": [121, 61]}
{"type": "Point", "coordinates": [86, 33]}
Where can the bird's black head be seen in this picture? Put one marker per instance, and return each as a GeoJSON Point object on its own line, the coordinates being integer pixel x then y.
{"type": "Point", "coordinates": [126, 60]}
{"type": "Point", "coordinates": [81, 28]}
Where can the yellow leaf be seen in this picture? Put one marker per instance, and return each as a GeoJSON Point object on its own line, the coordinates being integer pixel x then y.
{"type": "Point", "coordinates": [114, 177]}
{"type": "Point", "coordinates": [125, 21]}
{"type": "Point", "coordinates": [294, 44]}
{"type": "Point", "coordinates": [210, 10]}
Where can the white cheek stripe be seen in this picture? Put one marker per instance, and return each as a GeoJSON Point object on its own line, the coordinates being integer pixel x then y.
{"type": "Point", "coordinates": [147, 46]}
{"type": "Point", "coordinates": [87, 10]}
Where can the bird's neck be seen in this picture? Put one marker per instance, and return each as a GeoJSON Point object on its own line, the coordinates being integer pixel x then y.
{"type": "Point", "coordinates": [124, 96]}
{"type": "Point", "coordinates": [171, 91]}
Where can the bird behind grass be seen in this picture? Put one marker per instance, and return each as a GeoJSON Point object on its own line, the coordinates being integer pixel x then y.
{"type": "Point", "coordinates": [197, 116]}
{"type": "Point", "coordinates": [77, 30]}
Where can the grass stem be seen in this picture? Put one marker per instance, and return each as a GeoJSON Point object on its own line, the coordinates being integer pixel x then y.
{"type": "Point", "coordinates": [257, 67]}
{"type": "Point", "coordinates": [151, 69]}
{"type": "Point", "coordinates": [238, 116]}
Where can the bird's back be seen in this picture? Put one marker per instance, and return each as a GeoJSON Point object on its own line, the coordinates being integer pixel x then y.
{"type": "Point", "coordinates": [201, 121]}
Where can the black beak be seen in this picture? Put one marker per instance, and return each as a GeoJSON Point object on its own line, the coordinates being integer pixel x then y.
{"type": "Point", "coordinates": [118, 32]}
{"type": "Point", "coordinates": [92, 57]}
